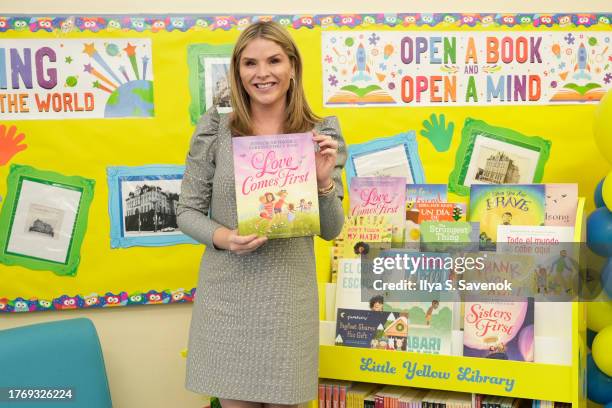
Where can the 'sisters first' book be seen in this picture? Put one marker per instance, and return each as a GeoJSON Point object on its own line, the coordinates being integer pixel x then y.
{"type": "Point", "coordinates": [276, 185]}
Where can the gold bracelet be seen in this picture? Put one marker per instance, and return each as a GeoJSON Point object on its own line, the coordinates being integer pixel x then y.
{"type": "Point", "coordinates": [327, 190]}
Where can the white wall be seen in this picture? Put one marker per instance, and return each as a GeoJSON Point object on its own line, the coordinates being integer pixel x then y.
{"type": "Point", "coordinates": [142, 345]}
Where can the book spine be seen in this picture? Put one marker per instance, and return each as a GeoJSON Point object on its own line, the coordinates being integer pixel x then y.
{"type": "Point", "coordinates": [342, 396]}
{"type": "Point", "coordinates": [321, 395]}
{"type": "Point", "coordinates": [328, 395]}
{"type": "Point", "coordinates": [336, 392]}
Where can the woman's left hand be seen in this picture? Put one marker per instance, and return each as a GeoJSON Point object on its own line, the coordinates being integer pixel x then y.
{"type": "Point", "coordinates": [325, 158]}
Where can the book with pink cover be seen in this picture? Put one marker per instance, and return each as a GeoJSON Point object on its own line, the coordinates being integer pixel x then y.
{"type": "Point", "coordinates": [501, 330]}
{"type": "Point", "coordinates": [276, 185]}
{"type": "Point", "coordinates": [380, 196]}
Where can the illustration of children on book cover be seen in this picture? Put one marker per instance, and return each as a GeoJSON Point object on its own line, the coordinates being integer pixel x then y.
{"type": "Point", "coordinates": [276, 187]}
{"type": "Point", "coordinates": [501, 330]}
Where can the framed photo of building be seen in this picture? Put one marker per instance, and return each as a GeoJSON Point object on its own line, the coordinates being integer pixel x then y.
{"type": "Point", "coordinates": [395, 156]}
{"type": "Point", "coordinates": [208, 78]}
{"type": "Point", "coordinates": [142, 205]}
{"type": "Point", "coordinates": [495, 155]}
{"type": "Point", "coordinates": [44, 219]}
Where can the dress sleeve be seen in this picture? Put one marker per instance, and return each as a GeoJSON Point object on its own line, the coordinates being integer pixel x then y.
{"type": "Point", "coordinates": [196, 188]}
{"type": "Point", "coordinates": [330, 205]}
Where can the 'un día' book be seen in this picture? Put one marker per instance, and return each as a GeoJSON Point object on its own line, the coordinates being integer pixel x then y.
{"type": "Point", "coordinates": [276, 185]}
{"type": "Point", "coordinates": [508, 204]}
{"type": "Point", "coordinates": [500, 330]}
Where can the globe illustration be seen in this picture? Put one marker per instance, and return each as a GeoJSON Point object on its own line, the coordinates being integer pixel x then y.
{"type": "Point", "coordinates": [134, 98]}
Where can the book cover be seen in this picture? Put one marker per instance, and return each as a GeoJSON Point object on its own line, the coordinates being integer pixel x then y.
{"type": "Point", "coordinates": [435, 211]}
{"type": "Point", "coordinates": [561, 204]}
{"type": "Point", "coordinates": [429, 325]}
{"type": "Point", "coordinates": [508, 204]}
{"type": "Point", "coordinates": [369, 329]}
{"type": "Point", "coordinates": [501, 330]}
{"type": "Point", "coordinates": [357, 235]}
{"type": "Point", "coordinates": [276, 185]}
{"type": "Point", "coordinates": [380, 196]}
{"type": "Point", "coordinates": [425, 193]}
{"type": "Point", "coordinates": [449, 236]}
{"type": "Point", "coordinates": [553, 251]}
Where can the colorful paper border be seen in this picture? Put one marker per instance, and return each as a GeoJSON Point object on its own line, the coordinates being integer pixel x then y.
{"type": "Point", "coordinates": [95, 301]}
{"type": "Point", "coordinates": [16, 174]}
{"type": "Point", "coordinates": [466, 147]}
{"type": "Point", "coordinates": [156, 23]}
{"type": "Point", "coordinates": [113, 175]}
{"type": "Point", "coordinates": [408, 139]}
{"type": "Point", "coordinates": [196, 91]}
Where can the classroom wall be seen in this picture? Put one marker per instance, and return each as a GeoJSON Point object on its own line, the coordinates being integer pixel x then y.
{"type": "Point", "coordinates": [142, 344]}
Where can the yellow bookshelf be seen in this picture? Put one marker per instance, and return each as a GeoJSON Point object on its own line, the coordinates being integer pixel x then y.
{"type": "Point", "coordinates": [509, 378]}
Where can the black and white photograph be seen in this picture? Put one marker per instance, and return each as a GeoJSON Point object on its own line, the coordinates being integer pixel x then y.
{"type": "Point", "coordinates": [497, 162]}
{"type": "Point", "coordinates": [149, 205]}
{"type": "Point", "coordinates": [44, 221]}
{"type": "Point", "coordinates": [216, 82]}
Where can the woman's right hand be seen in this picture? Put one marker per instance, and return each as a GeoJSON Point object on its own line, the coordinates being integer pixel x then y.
{"type": "Point", "coordinates": [224, 238]}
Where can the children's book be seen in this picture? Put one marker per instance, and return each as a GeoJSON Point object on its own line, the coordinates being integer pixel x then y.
{"type": "Point", "coordinates": [561, 204]}
{"type": "Point", "coordinates": [553, 251]}
{"type": "Point", "coordinates": [380, 196]}
{"type": "Point", "coordinates": [507, 204]}
{"type": "Point", "coordinates": [276, 185]}
{"type": "Point", "coordinates": [501, 330]}
{"type": "Point", "coordinates": [425, 193]}
{"type": "Point", "coordinates": [370, 329]}
{"type": "Point", "coordinates": [358, 235]}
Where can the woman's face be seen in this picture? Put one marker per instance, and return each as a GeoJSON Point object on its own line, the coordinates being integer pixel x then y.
{"type": "Point", "coordinates": [265, 71]}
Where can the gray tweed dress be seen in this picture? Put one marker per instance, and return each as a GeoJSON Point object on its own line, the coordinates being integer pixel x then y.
{"type": "Point", "coordinates": [254, 332]}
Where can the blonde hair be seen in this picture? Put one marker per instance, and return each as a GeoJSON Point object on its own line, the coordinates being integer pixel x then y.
{"type": "Point", "coordinates": [299, 116]}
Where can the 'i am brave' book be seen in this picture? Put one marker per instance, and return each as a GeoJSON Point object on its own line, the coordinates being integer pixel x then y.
{"type": "Point", "coordinates": [380, 196]}
{"type": "Point", "coordinates": [505, 204]}
{"type": "Point", "coordinates": [500, 330]}
{"type": "Point", "coordinates": [276, 185]}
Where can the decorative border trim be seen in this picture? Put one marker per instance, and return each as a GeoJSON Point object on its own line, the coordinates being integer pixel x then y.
{"type": "Point", "coordinates": [157, 23]}
{"type": "Point", "coordinates": [95, 301]}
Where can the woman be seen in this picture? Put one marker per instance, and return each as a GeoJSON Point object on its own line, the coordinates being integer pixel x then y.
{"type": "Point", "coordinates": [254, 330]}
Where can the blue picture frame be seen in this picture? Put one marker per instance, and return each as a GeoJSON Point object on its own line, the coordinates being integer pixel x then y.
{"type": "Point", "coordinates": [407, 140]}
{"type": "Point", "coordinates": [119, 238]}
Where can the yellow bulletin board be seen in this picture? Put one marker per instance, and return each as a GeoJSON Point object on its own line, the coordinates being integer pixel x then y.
{"type": "Point", "coordinates": [85, 145]}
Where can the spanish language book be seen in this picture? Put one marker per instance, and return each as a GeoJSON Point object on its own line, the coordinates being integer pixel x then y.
{"type": "Point", "coordinates": [380, 196]}
{"type": "Point", "coordinates": [561, 204]}
{"type": "Point", "coordinates": [508, 204]}
{"type": "Point", "coordinates": [371, 329]}
{"type": "Point", "coordinates": [276, 185]}
{"type": "Point", "coordinates": [501, 330]}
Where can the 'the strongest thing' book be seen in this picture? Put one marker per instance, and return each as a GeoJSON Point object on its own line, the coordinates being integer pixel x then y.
{"type": "Point", "coordinates": [276, 185]}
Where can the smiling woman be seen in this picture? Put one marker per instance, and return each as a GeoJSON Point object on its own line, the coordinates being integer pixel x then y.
{"type": "Point", "coordinates": [254, 331]}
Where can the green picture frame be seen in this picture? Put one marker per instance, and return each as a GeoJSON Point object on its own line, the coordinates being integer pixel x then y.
{"type": "Point", "coordinates": [198, 57]}
{"type": "Point", "coordinates": [44, 219]}
{"type": "Point", "coordinates": [495, 155]}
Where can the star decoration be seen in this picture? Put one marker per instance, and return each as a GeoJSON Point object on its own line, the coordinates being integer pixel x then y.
{"type": "Point", "coordinates": [68, 60]}
{"type": "Point", "coordinates": [130, 50]}
{"type": "Point", "coordinates": [96, 84]}
{"type": "Point", "coordinates": [88, 68]}
{"type": "Point", "coordinates": [90, 49]}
